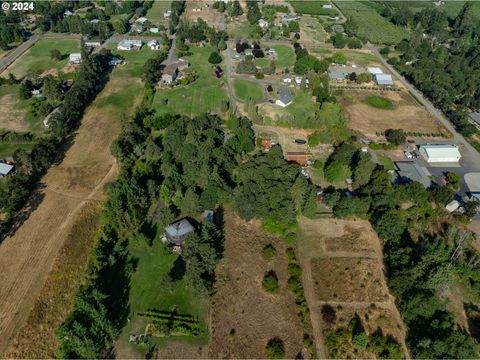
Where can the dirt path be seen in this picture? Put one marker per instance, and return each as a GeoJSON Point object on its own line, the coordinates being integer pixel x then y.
{"type": "Point", "coordinates": [27, 257]}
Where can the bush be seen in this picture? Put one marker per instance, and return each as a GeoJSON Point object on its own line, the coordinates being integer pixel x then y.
{"type": "Point", "coordinates": [259, 75]}
{"type": "Point", "coordinates": [275, 349]}
{"type": "Point", "coordinates": [395, 136]}
{"type": "Point", "coordinates": [270, 282]}
{"type": "Point", "coordinates": [214, 58]}
{"type": "Point", "coordinates": [290, 254]}
{"type": "Point", "coordinates": [269, 252]}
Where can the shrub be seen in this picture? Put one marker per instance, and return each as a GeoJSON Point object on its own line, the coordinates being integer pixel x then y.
{"type": "Point", "coordinates": [275, 349]}
{"type": "Point", "coordinates": [291, 254]}
{"type": "Point", "coordinates": [214, 58]}
{"type": "Point", "coordinates": [269, 252]}
{"type": "Point", "coordinates": [270, 282]}
{"type": "Point", "coordinates": [329, 315]}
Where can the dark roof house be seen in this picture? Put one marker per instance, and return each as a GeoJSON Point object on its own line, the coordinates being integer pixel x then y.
{"type": "Point", "coordinates": [285, 97]}
{"type": "Point", "coordinates": [178, 231]}
{"type": "Point", "coordinates": [410, 171]}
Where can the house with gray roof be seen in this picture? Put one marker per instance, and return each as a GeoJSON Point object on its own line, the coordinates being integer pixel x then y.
{"type": "Point", "coordinates": [285, 97]}
{"type": "Point", "coordinates": [177, 232]}
{"type": "Point", "coordinates": [383, 79]}
{"type": "Point", "coordinates": [475, 118]}
{"type": "Point", "coordinates": [410, 171]}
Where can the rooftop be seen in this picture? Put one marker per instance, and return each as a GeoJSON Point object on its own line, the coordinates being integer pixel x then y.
{"type": "Point", "coordinates": [384, 79]}
{"type": "Point", "coordinates": [5, 168]}
{"type": "Point", "coordinates": [285, 95]}
{"type": "Point", "coordinates": [179, 228]}
{"type": "Point", "coordinates": [409, 170]}
{"type": "Point", "coordinates": [475, 116]}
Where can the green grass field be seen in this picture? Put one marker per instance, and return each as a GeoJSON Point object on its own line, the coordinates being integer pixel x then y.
{"type": "Point", "coordinates": [386, 162]}
{"type": "Point", "coordinates": [312, 7]}
{"type": "Point", "coordinates": [371, 25]}
{"type": "Point", "coordinates": [379, 102]}
{"type": "Point", "coordinates": [155, 13]}
{"type": "Point", "coordinates": [358, 57]}
{"type": "Point", "coordinates": [205, 95]}
{"type": "Point", "coordinates": [285, 57]}
{"type": "Point", "coordinates": [37, 58]}
{"type": "Point", "coordinates": [158, 284]}
{"type": "Point", "coordinates": [245, 90]}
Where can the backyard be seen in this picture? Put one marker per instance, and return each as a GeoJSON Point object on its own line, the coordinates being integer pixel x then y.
{"type": "Point", "coordinates": [245, 90]}
{"type": "Point", "coordinates": [206, 94]}
{"type": "Point", "coordinates": [38, 59]}
{"type": "Point", "coordinates": [155, 13]}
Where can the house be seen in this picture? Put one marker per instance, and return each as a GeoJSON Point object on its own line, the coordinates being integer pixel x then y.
{"type": "Point", "coordinates": [68, 13]}
{"type": "Point", "coordinates": [384, 79]}
{"type": "Point", "coordinates": [129, 45]}
{"type": "Point", "coordinates": [137, 28]}
{"type": "Point", "coordinates": [374, 70]}
{"type": "Point", "coordinates": [342, 72]}
{"type": "Point", "coordinates": [167, 14]}
{"type": "Point", "coordinates": [75, 58]}
{"type": "Point", "coordinates": [177, 232]}
{"type": "Point", "coordinates": [410, 171]}
{"type": "Point", "coordinates": [263, 24]}
{"type": "Point", "coordinates": [301, 158]}
{"type": "Point", "coordinates": [154, 45]}
{"type": "Point", "coordinates": [285, 97]}
{"type": "Point", "coordinates": [115, 61]}
{"type": "Point", "coordinates": [92, 43]}
{"type": "Point", "coordinates": [440, 153]}
{"type": "Point", "coordinates": [94, 21]}
{"type": "Point", "coordinates": [452, 206]}
{"type": "Point", "coordinates": [326, 6]}
{"type": "Point", "coordinates": [475, 118]}
{"type": "Point", "coordinates": [154, 30]}
{"type": "Point", "coordinates": [288, 18]}
{"type": "Point", "coordinates": [141, 20]}
{"type": "Point", "coordinates": [287, 79]}
{"type": "Point", "coordinates": [5, 169]}
{"type": "Point", "coordinates": [37, 93]}
{"type": "Point", "coordinates": [170, 73]}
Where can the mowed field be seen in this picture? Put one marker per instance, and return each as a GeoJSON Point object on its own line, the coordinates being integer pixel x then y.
{"type": "Point", "coordinates": [206, 94]}
{"type": "Point", "coordinates": [66, 192]}
{"type": "Point", "coordinates": [13, 109]}
{"type": "Point", "coordinates": [405, 114]}
{"type": "Point", "coordinates": [37, 58]}
{"type": "Point", "coordinates": [245, 89]}
{"type": "Point", "coordinates": [343, 268]}
{"type": "Point", "coordinates": [244, 317]}
{"type": "Point", "coordinates": [155, 13]}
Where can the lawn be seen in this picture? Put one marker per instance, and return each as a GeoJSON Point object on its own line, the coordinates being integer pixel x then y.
{"type": "Point", "coordinates": [379, 102]}
{"type": "Point", "coordinates": [371, 25]}
{"type": "Point", "coordinates": [386, 162]}
{"type": "Point", "coordinates": [358, 57]}
{"type": "Point", "coordinates": [240, 29]}
{"type": "Point", "coordinates": [37, 58]}
{"type": "Point", "coordinates": [245, 90]}
{"type": "Point", "coordinates": [312, 7]}
{"type": "Point", "coordinates": [205, 95]}
{"type": "Point", "coordinates": [155, 13]}
{"type": "Point", "coordinates": [285, 56]}
{"type": "Point", "coordinates": [158, 284]}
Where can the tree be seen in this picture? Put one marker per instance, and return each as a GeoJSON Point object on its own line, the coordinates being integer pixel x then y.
{"type": "Point", "coordinates": [453, 180]}
{"type": "Point", "coordinates": [214, 58]}
{"type": "Point", "coordinates": [253, 13]}
{"type": "Point", "coordinates": [305, 64]}
{"type": "Point", "coordinates": [275, 349]}
{"type": "Point", "coordinates": [395, 136]}
{"type": "Point", "coordinates": [364, 78]}
{"type": "Point", "coordinates": [339, 40]}
{"type": "Point", "coordinates": [55, 54]}
{"type": "Point", "coordinates": [363, 170]}
{"type": "Point", "coordinates": [270, 282]}
{"type": "Point", "coordinates": [339, 58]}
{"type": "Point", "coordinates": [120, 26]}
{"type": "Point", "coordinates": [236, 9]}
{"type": "Point", "coordinates": [335, 171]}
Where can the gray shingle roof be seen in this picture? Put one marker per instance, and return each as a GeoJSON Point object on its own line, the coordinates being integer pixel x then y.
{"type": "Point", "coordinates": [410, 171]}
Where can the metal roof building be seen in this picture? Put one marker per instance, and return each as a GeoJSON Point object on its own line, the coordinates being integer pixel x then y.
{"type": "Point", "coordinates": [285, 97]}
{"type": "Point", "coordinates": [374, 70]}
{"type": "Point", "coordinates": [410, 171]}
{"type": "Point", "coordinates": [384, 79]}
{"type": "Point", "coordinates": [440, 153]}
{"type": "Point", "coordinates": [178, 231]}
{"type": "Point", "coordinates": [5, 169]}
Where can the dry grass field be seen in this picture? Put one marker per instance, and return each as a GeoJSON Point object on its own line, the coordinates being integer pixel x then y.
{"type": "Point", "coordinates": [243, 315]}
{"type": "Point", "coordinates": [28, 255]}
{"type": "Point", "coordinates": [343, 268]}
{"type": "Point", "coordinates": [13, 115]}
{"type": "Point", "coordinates": [406, 114]}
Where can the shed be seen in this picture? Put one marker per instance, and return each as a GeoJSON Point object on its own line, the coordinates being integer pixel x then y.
{"type": "Point", "coordinates": [410, 171]}
{"type": "Point", "coordinates": [5, 169]}
{"type": "Point", "coordinates": [384, 79]}
{"type": "Point", "coordinates": [440, 153]}
{"type": "Point", "coordinates": [178, 231]}
{"type": "Point", "coordinates": [285, 97]}
{"type": "Point", "coordinates": [68, 13]}
{"type": "Point", "coordinates": [92, 43]}
{"type": "Point", "coordinates": [327, 6]}
{"type": "Point", "coordinates": [374, 70]}
{"type": "Point", "coordinates": [154, 30]}
{"type": "Point", "coordinates": [452, 206]}
{"type": "Point", "coordinates": [301, 158]}
{"type": "Point", "coordinates": [141, 20]}
{"type": "Point", "coordinates": [262, 23]}
{"type": "Point", "coordinates": [75, 58]}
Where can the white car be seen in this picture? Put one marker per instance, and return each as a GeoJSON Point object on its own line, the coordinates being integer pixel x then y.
{"type": "Point", "coordinates": [408, 155]}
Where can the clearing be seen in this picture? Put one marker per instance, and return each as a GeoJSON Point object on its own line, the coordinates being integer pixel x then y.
{"type": "Point", "coordinates": [38, 59]}
{"type": "Point", "coordinates": [27, 256]}
{"type": "Point", "coordinates": [13, 109]}
{"type": "Point", "coordinates": [343, 268]}
{"type": "Point", "coordinates": [285, 57]}
{"type": "Point", "coordinates": [204, 95]}
{"type": "Point", "coordinates": [155, 13]}
{"type": "Point", "coordinates": [311, 30]}
{"type": "Point", "coordinates": [406, 114]}
{"type": "Point", "coordinates": [244, 316]}
{"type": "Point", "coordinates": [245, 90]}
{"type": "Point", "coordinates": [312, 7]}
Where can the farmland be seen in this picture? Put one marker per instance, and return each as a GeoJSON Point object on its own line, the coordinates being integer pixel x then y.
{"type": "Point", "coordinates": [343, 272]}
{"type": "Point", "coordinates": [312, 7]}
{"type": "Point", "coordinates": [244, 315]}
{"type": "Point", "coordinates": [359, 57]}
{"type": "Point", "coordinates": [371, 25]}
{"type": "Point", "coordinates": [245, 90]}
{"type": "Point", "coordinates": [155, 13]}
{"type": "Point", "coordinates": [404, 113]}
{"type": "Point", "coordinates": [38, 59]}
{"type": "Point", "coordinates": [206, 94]}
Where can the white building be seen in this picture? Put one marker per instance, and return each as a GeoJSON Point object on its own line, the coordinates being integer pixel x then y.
{"type": "Point", "coordinates": [141, 20]}
{"type": "Point", "coordinates": [129, 45]}
{"type": "Point", "coordinates": [5, 169]}
{"type": "Point", "coordinates": [452, 206]}
{"type": "Point", "coordinates": [263, 24]}
{"type": "Point", "coordinates": [154, 45]}
{"type": "Point", "coordinates": [68, 13]}
{"type": "Point", "coordinates": [75, 58]}
{"type": "Point", "coordinates": [374, 70]}
{"type": "Point", "coordinates": [167, 14]}
{"type": "Point", "coordinates": [440, 153]}
{"type": "Point", "coordinates": [154, 30]}
{"type": "Point", "coordinates": [383, 79]}
{"type": "Point", "coordinates": [326, 6]}
{"type": "Point", "coordinates": [92, 43]}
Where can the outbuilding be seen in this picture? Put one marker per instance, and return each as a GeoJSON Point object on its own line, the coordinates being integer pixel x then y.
{"type": "Point", "coordinates": [285, 97]}
{"type": "Point", "coordinates": [177, 232]}
{"type": "Point", "coordinates": [452, 206]}
{"type": "Point", "coordinates": [75, 58]}
{"type": "Point", "coordinates": [5, 169]}
{"type": "Point", "coordinates": [374, 70]}
{"type": "Point", "coordinates": [384, 79]}
{"type": "Point", "coordinates": [438, 153]}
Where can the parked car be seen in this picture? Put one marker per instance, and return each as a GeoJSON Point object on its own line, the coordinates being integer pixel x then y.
{"type": "Point", "coordinates": [300, 141]}
{"type": "Point", "coordinates": [408, 155]}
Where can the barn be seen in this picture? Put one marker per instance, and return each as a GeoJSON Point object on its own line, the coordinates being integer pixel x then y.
{"type": "Point", "coordinates": [440, 153]}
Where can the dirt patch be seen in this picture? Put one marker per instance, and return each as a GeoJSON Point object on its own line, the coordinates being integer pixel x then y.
{"type": "Point", "coordinates": [406, 114]}
{"type": "Point", "coordinates": [198, 9]}
{"type": "Point", "coordinates": [244, 316]}
{"type": "Point", "coordinates": [27, 257]}
{"type": "Point", "coordinates": [348, 279]}
{"type": "Point", "coordinates": [36, 340]}
{"type": "Point", "coordinates": [12, 117]}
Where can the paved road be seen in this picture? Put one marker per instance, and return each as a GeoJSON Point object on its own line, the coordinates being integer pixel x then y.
{"type": "Point", "coordinates": [10, 58]}
{"type": "Point", "coordinates": [229, 73]}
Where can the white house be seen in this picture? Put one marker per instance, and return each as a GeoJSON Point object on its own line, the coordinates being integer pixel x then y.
{"type": "Point", "coordinates": [5, 169]}
{"type": "Point", "coordinates": [374, 70]}
{"type": "Point", "coordinates": [154, 30]}
{"type": "Point", "coordinates": [153, 45]}
{"type": "Point", "coordinates": [285, 97]}
{"type": "Point", "coordinates": [75, 58]}
{"type": "Point", "coordinates": [129, 45]}
{"type": "Point", "coordinates": [141, 20]}
{"type": "Point", "coordinates": [440, 153]}
{"type": "Point", "coordinates": [68, 13]}
{"type": "Point", "coordinates": [263, 24]}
